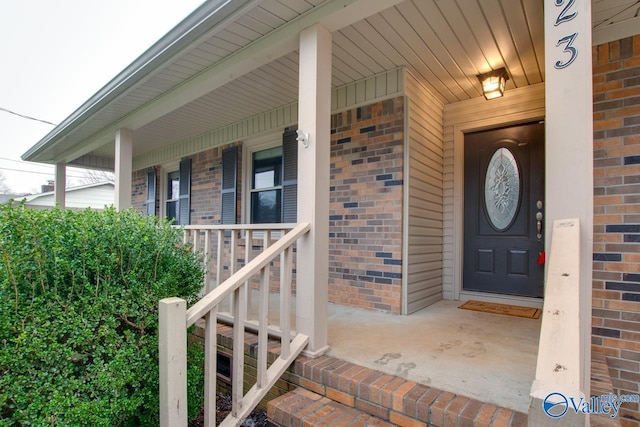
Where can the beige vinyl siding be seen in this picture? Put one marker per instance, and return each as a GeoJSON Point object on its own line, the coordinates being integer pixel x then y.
{"type": "Point", "coordinates": [94, 196]}
{"type": "Point", "coordinates": [517, 106]}
{"type": "Point", "coordinates": [424, 191]}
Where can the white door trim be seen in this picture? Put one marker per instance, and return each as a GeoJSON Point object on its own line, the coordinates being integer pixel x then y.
{"type": "Point", "coordinates": [459, 130]}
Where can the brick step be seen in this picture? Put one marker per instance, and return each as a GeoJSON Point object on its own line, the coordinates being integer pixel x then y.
{"type": "Point", "coordinates": [601, 385]}
{"type": "Point", "coordinates": [396, 400]}
{"type": "Point", "coordinates": [301, 407]}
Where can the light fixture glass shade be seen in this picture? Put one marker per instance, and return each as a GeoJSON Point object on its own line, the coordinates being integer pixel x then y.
{"type": "Point", "coordinates": [493, 83]}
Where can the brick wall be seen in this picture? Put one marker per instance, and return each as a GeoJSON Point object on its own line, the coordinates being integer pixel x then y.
{"type": "Point", "coordinates": [616, 266]}
{"type": "Point", "coordinates": [365, 224]}
{"type": "Point", "coordinates": [365, 248]}
{"type": "Point", "coordinates": [139, 190]}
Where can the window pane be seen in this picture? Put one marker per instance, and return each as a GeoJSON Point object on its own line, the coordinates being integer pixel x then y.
{"type": "Point", "coordinates": [266, 207]}
{"type": "Point", "coordinates": [267, 168]}
{"type": "Point", "coordinates": [173, 186]}
{"type": "Point", "coordinates": [265, 179]}
{"type": "Point", "coordinates": [172, 210]}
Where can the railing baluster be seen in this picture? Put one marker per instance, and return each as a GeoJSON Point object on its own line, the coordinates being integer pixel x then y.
{"type": "Point", "coordinates": [263, 326]}
{"type": "Point", "coordinates": [247, 259]}
{"type": "Point", "coordinates": [210, 365]}
{"type": "Point", "coordinates": [239, 316]}
{"type": "Point", "coordinates": [219, 257]}
{"type": "Point", "coordinates": [194, 237]}
{"type": "Point", "coordinates": [285, 301]}
{"type": "Point", "coordinates": [233, 263]}
{"type": "Point", "coordinates": [207, 261]}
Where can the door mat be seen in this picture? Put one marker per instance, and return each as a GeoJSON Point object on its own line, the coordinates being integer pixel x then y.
{"type": "Point", "coordinates": [507, 309]}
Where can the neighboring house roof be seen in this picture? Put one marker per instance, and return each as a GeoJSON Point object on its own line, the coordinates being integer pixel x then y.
{"type": "Point", "coordinates": [95, 196]}
{"type": "Point", "coordinates": [234, 59]}
{"type": "Point", "coordinates": [4, 198]}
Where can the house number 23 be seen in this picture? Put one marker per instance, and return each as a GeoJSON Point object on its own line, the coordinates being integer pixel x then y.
{"type": "Point", "coordinates": [566, 15]}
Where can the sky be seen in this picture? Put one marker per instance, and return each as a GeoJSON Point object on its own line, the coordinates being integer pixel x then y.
{"type": "Point", "coordinates": [54, 55]}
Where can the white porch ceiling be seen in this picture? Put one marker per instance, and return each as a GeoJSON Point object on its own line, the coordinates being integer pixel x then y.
{"type": "Point", "coordinates": [446, 43]}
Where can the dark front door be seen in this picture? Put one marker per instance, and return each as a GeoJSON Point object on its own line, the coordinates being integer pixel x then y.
{"type": "Point", "coordinates": [503, 199]}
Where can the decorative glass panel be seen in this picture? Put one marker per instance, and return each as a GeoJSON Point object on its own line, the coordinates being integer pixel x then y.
{"type": "Point", "coordinates": [502, 189]}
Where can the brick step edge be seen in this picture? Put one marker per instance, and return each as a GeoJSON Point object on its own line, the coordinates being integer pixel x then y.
{"type": "Point", "coordinates": [600, 385]}
{"type": "Point", "coordinates": [397, 400]}
{"type": "Point", "coordinates": [301, 407]}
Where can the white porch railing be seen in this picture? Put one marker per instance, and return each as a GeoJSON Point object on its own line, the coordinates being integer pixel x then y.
{"type": "Point", "coordinates": [560, 362]}
{"type": "Point", "coordinates": [174, 319]}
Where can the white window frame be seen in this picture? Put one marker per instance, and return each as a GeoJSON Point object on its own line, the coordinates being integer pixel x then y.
{"type": "Point", "coordinates": [263, 142]}
{"type": "Point", "coordinates": [165, 170]}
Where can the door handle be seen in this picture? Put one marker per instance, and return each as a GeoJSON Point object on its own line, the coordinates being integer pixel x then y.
{"type": "Point", "coordinates": [539, 217]}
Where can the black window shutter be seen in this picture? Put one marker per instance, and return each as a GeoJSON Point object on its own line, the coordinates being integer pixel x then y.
{"type": "Point", "coordinates": [184, 205]}
{"type": "Point", "coordinates": [290, 176]}
{"type": "Point", "coordinates": [229, 183]}
{"type": "Point", "coordinates": [151, 191]}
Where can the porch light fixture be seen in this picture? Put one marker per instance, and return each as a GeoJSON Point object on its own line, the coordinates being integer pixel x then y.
{"type": "Point", "coordinates": [303, 137]}
{"type": "Point", "coordinates": [493, 83]}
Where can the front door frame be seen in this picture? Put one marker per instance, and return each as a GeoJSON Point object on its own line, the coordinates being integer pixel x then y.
{"type": "Point", "coordinates": [459, 129]}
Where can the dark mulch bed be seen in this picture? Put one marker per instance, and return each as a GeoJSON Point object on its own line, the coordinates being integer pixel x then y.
{"type": "Point", "coordinates": [258, 417]}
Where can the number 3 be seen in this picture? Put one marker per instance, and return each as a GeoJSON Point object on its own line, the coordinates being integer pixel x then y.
{"type": "Point", "coordinates": [569, 48]}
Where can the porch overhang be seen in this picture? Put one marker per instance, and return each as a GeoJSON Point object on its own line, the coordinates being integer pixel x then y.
{"type": "Point", "coordinates": [160, 76]}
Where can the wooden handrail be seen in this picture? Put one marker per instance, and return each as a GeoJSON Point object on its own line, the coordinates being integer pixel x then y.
{"type": "Point", "coordinates": [224, 227]}
{"type": "Point", "coordinates": [172, 330]}
{"type": "Point", "coordinates": [559, 368]}
{"type": "Point", "coordinates": [217, 295]}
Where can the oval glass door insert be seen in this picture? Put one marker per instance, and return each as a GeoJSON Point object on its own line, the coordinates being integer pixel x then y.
{"type": "Point", "coordinates": [502, 189]}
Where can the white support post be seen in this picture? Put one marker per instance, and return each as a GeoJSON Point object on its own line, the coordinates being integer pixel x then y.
{"type": "Point", "coordinates": [569, 145]}
{"type": "Point", "coordinates": [123, 168]}
{"type": "Point", "coordinates": [172, 345]}
{"type": "Point", "coordinates": [314, 118]}
{"type": "Point", "coordinates": [60, 183]}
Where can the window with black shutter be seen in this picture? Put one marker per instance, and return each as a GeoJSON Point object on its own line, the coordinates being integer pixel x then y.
{"type": "Point", "coordinates": [290, 176]}
{"type": "Point", "coordinates": [184, 188]}
{"type": "Point", "coordinates": [229, 184]}
{"type": "Point", "coordinates": [273, 181]}
{"type": "Point", "coordinates": [177, 194]}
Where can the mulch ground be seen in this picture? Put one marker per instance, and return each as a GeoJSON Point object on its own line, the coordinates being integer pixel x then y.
{"type": "Point", "coordinates": [258, 417]}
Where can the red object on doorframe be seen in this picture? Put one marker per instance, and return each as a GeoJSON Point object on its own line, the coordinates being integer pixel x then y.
{"type": "Point", "coordinates": [541, 258]}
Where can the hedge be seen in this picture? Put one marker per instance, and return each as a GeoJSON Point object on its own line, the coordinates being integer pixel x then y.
{"type": "Point", "coordinates": [79, 296]}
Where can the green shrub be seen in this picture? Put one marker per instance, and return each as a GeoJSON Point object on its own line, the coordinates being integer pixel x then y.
{"type": "Point", "coordinates": [79, 296]}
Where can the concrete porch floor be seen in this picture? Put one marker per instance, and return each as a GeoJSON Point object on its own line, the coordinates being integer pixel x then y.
{"type": "Point", "coordinates": [488, 357]}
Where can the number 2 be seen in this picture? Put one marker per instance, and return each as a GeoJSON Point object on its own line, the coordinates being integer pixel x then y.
{"type": "Point", "coordinates": [563, 16]}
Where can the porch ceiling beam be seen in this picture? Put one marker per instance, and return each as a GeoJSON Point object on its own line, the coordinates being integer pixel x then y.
{"type": "Point", "coordinates": [615, 31]}
{"type": "Point", "coordinates": [333, 15]}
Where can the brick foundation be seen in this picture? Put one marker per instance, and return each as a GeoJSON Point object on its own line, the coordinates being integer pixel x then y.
{"type": "Point", "coordinates": [616, 266]}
